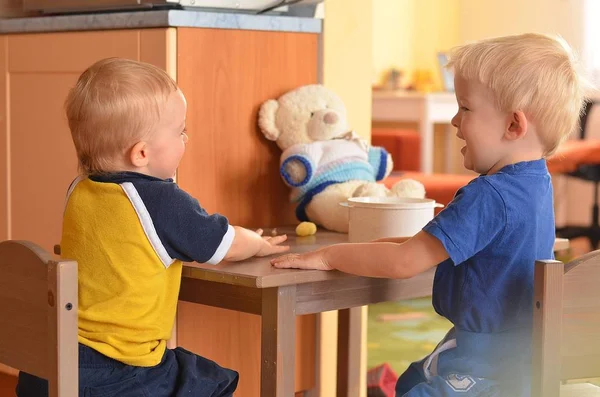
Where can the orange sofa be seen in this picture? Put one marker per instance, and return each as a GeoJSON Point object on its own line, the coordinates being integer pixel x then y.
{"type": "Point", "coordinates": [403, 145]}
{"type": "Point", "coordinates": [573, 154]}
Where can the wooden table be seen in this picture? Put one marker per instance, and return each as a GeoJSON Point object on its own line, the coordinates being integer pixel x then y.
{"type": "Point", "coordinates": [279, 295]}
{"type": "Point", "coordinates": [425, 109]}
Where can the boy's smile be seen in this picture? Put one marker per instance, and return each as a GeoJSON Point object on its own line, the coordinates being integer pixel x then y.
{"type": "Point", "coordinates": [480, 125]}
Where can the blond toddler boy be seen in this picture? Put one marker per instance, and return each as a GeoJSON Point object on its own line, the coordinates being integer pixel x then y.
{"type": "Point", "coordinates": [129, 227]}
{"type": "Point", "coordinates": [519, 97]}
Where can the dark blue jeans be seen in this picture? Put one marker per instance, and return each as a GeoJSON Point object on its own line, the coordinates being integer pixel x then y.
{"type": "Point", "coordinates": [180, 373]}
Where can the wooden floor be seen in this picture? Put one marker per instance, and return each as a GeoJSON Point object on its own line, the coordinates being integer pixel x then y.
{"type": "Point", "coordinates": [7, 385]}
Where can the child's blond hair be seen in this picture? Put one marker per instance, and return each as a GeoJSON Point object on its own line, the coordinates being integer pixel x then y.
{"type": "Point", "coordinates": [115, 103]}
{"type": "Point", "coordinates": [534, 73]}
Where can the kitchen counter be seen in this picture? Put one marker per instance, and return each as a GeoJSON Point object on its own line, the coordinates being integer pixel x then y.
{"type": "Point", "coordinates": [160, 18]}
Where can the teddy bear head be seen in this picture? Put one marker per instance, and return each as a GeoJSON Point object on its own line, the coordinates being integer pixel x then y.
{"type": "Point", "coordinates": [306, 114]}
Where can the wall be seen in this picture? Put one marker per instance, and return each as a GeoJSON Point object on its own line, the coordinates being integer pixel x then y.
{"type": "Point", "coordinates": [481, 19]}
{"type": "Point", "coordinates": [407, 34]}
{"type": "Point", "coordinates": [347, 54]}
{"type": "Point", "coordinates": [393, 35]}
{"type": "Point", "coordinates": [347, 65]}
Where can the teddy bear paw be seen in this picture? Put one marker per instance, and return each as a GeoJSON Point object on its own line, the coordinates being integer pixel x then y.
{"type": "Point", "coordinates": [408, 188]}
{"type": "Point", "coordinates": [370, 190]}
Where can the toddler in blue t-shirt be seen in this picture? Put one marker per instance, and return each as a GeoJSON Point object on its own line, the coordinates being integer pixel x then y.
{"type": "Point", "coordinates": [519, 97]}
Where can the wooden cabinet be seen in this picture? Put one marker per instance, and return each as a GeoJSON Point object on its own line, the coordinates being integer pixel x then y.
{"type": "Point", "coordinates": [229, 166]}
{"type": "Point", "coordinates": [38, 70]}
{"type": "Point", "coordinates": [225, 75]}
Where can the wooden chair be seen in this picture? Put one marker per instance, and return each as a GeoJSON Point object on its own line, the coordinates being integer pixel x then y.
{"type": "Point", "coordinates": [38, 315]}
{"type": "Point", "coordinates": [566, 327]}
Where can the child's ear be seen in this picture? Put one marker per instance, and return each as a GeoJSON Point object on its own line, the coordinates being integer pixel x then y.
{"type": "Point", "coordinates": [138, 155]}
{"type": "Point", "coordinates": [517, 126]}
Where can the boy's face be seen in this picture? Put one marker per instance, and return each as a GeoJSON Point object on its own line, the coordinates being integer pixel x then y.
{"type": "Point", "coordinates": [481, 125]}
{"type": "Point", "coordinates": [167, 145]}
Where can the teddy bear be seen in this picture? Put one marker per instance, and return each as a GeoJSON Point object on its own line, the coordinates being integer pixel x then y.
{"type": "Point", "coordinates": [323, 160]}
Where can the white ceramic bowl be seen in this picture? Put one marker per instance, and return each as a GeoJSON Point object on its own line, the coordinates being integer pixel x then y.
{"type": "Point", "coordinates": [371, 218]}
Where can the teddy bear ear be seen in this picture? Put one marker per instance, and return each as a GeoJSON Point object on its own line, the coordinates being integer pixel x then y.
{"type": "Point", "coordinates": [266, 119]}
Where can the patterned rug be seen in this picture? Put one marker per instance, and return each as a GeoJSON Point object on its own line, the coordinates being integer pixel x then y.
{"type": "Point", "coordinates": [402, 332]}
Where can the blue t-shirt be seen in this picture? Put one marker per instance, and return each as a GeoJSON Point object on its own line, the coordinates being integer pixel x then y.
{"type": "Point", "coordinates": [494, 230]}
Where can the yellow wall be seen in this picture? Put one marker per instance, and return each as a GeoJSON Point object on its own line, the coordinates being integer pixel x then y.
{"type": "Point", "coordinates": [480, 18]}
{"type": "Point", "coordinates": [436, 30]}
{"type": "Point", "coordinates": [407, 34]}
{"type": "Point", "coordinates": [347, 54]}
{"type": "Point", "coordinates": [393, 35]}
{"type": "Point", "coordinates": [347, 68]}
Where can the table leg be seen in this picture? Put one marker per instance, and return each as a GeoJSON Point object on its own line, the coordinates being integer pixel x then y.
{"type": "Point", "coordinates": [349, 350]}
{"type": "Point", "coordinates": [323, 320]}
{"type": "Point", "coordinates": [278, 342]}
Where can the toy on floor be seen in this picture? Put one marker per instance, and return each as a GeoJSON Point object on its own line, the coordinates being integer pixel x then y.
{"type": "Point", "coordinates": [323, 161]}
{"type": "Point", "coordinates": [381, 381]}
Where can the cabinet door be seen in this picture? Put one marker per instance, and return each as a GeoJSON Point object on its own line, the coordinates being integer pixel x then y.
{"type": "Point", "coordinates": [40, 70]}
{"type": "Point", "coordinates": [225, 75]}
{"type": "Point", "coordinates": [232, 169]}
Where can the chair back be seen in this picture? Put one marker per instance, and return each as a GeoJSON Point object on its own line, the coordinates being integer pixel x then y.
{"type": "Point", "coordinates": [38, 315]}
{"type": "Point", "coordinates": [566, 323]}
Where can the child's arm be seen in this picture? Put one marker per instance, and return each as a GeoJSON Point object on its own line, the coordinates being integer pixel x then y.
{"type": "Point", "coordinates": [248, 243]}
{"type": "Point", "coordinates": [376, 259]}
{"type": "Point", "coordinates": [475, 217]}
{"type": "Point", "coordinates": [397, 240]}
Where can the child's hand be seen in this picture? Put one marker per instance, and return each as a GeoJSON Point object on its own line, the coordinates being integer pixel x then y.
{"type": "Point", "coordinates": [271, 245]}
{"type": "Point", "coordinates": [310, 260]}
